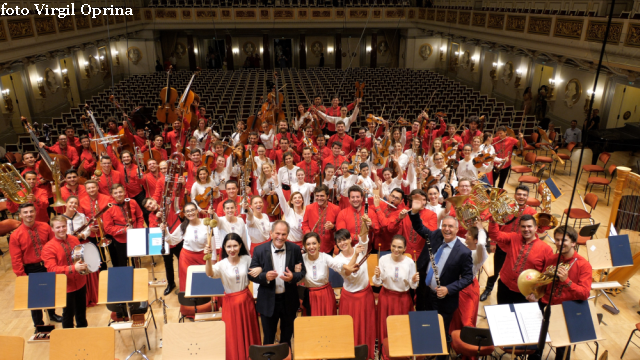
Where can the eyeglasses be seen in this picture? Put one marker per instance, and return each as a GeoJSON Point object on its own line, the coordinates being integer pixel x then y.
{"type": "Point", "coordinates": [190, 211]}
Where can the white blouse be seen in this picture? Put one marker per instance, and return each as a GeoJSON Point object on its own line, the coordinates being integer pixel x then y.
{"type": "Point", "coordinates": [194, 238]}
{"type": "Point", "coordinates": [403, 161]}
{"type": "Point", "coordinates": [305, 189]}
{"type": "Point", "coordinates": [258, 229]}
{"type": "Point", "coordinates": [291, 217]}
{"type": "Point", "coordinates": [367, 184]}
{"type": "Point", "coordinates": [347, 121]}
{"type": "Point", "coordinates": [396, 276]}
{"type": "Point", "coordinates": [438, 210]}
{"type": "Point", "coordinates": [198, 189]}
{"type": "Point", "coordinates": [259, 163]}
{"type": "Point", "coordinates": [345, 184]}
{"type": "Point", "coordinates": [234, 277]}
{"type": "Point", "coordinates": [201, 135]}
{"type": "Point", "coordinates": [467, 169]}
{"type": "Point", "coordinates": [355, 281]}
{"type": "Point", "coordinates": [267, 187]}
{"type": "Point", "coordinates": [225, 227]}
{"type": "Point", "coordinates": [297, 122]}
{"type": "Point", "coordinates": [286, 176]}
{"type": "Point", "coordinates": [396, 182]}
{"type": "Point", "coordinates": [220, 178]}
{"type": "Point", "coordinates": [76, 222]}
{"type": "Point", "coordinates": [267, 139]}
{"type": "Point", "coordinates": [480, 254]}
{"type": "Point", "coordinates": [444, 180]}
{"type": "Point", "coordinates": [317, 270]}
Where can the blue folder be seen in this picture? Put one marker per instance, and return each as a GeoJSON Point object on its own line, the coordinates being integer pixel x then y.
{"type": "Point", "coordinates": [42, 290]}
{"type": "Point", "coordinates": [120, 284]}
{"type": "Point", "coordinates": [620, 250]}
{"type": "Point", "coordinates": [577, 315]}
{"type": "Point", "coordinates": [335, 279]}
{"type": "Point", "coordinates": [553, 187]}
{"type": "Point", "coordinates": [425, 332]}
{"type": "Point", "coordinates": [202, 285]}
{"type": "Point", "coordinates": [383, 253]}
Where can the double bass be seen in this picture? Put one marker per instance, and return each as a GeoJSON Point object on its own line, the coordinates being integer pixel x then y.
{"type": "Point", "coordinates": [254, 123]}
{"type": "Point", "coordinates": [48, 160]}
{"type": "Point", "coordinates": [187, 99]}
{"type": "Point", "coordinates": [167, 111]}
{"type": "Point", "coordinates": [272, 109]}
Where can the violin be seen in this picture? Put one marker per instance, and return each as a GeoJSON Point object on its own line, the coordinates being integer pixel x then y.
{"type": "Point", "coordinates": [167, 111]}
{"type": "Point", "coordinates": [380, 153]}
{"type": "Point", "coordinates": [374, 119]}
{"type": "Point", "coordinates": [187, 99]}
{"type": "Point", "coordinates": [203, 200]}
{"type": "Point", "coordinates": [354, 168]}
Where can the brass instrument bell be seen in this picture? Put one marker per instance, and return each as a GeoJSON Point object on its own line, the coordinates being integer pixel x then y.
{"type": "Point", "coordinates": [10, 180]}
{"type": "Point", "coordinates": [467, 214]}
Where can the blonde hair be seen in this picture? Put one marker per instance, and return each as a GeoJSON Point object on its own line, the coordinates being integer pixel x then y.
{"type": "Point", "coordinates": [263, 177]}
{"type": "Point", "coordinates": [58, 218]}
{"type": "Point", "coordinates": [202, 168]}
{"type": "Point", "coordinates": [432, 151]}
{"type": "Point", "coordinates": [291, 200]}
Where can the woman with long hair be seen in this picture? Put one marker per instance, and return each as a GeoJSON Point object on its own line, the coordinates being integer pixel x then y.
{"type": "Point", "coordinates": [396, 273]}
{"type": "Point", "coordinates": [434, 203]}
{"type": "Point", "coordinates": [258, 224]}
{"type": "Point", "coordinates": [267, 186]}
{"type": "Point", "coordinates": [435, 148]}
{"type": "Point", "coordinates": [301, 116]}
{"type": "Point", "coordinates": [230, 223]}
{"type": "Point", "coordinates": [238, 313]}
{"type": "Point", "coordinates": [203, 184]}
{"type": "Point", "coordinates": [322, 299]}
{"type": "Point", "coordinates": [304, 188]}
{"type": "Point", "coordinates": [287, 173]}
{"type": "Point", "coordinates": [203, 142]}
{"type": "Point", "coordinates": [193, 233]}
{"type": "Point", "coordinates": [268, 136]}
{"type": "Point", "coordinates": [292, 212]}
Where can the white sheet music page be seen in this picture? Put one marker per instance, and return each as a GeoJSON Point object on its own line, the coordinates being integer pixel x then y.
{"type": "Point", "coordinates": [503, 325]}
{"type": "Point", "coordinates": [530, 320]}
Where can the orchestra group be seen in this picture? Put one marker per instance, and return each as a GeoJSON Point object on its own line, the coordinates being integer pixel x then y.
{"type": "Point", "coordinates": [291, 203]}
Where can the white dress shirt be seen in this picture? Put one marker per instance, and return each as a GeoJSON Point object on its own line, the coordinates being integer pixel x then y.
{"type": "Point", "coordinates": [396, 276]}
{"type": "Point", "coordinates": [194, 237]}
{"type": "Point", "coordinates": [234, 277]}
{"type": "Point", "coordinates": [355, 281]}
{"type": "Point", "coordinates": [317, 270]}
{"type": "Point", "coordinates": [286, 176]}
{"type": "Point", "coordinates": [225, 227]}
{"type": "Point", "coordinates": [76, 222]}
{"type": "Point", "coordinates": [347, 121]}
{"type": "Point", "coordinates": [573, 135]}
{"type": "Point", "coordinates": [480, 254]}
{"type": "Point", "coordinates": [279, 264]}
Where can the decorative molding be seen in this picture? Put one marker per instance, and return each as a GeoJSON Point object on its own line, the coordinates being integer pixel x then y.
{"type": "Point", "coordinates": [412, 14]}
{"type": "Point", "coordinates": [148, 15]}
{"type": "Point", "coordinates": [136, 15]}
{"type": "Point", "coordinates": [162, 14]}
{"type": "Point", "coordinates": [339, 14]}
{"type": "Point", "coordinates": [441, 15]}
{"type": "Point", "coordinates": [280, 14]}
{"type": "Point", "coordinates": [3, 33]}
{"type": "Point", "coordinates": [464, 18]}
{"type": "Point", "coordinates": [120, 18]}
{"type": "Point", "coordinates": [186, 15]}
{"type": "Point", "coordinates": [452, 16]}
{"type": "Point", "coordinates": [431, 15]}
{"type": "Point", "coordinates": [111, 20]}
{"type": "Point", "coordinates": [303, 14]}
{"type": "Point", "coordinates": [97, 21]}
{"type": "Point", "coordinates": [245, 15]}
{"type": "Point", "coordinates": [65, 24]}
{"type": "Point", "coordinates": [596, 30]}
{"type": "Point", "coordinates": [394, 14]}
{"type": "Point", "coordinates": [45, 25]}
{"type": "Point", "coordinates": [320, 14]}
{"type": "Point", "coordinates": [358, 14]}
{"type": "Point", "coordinates": [539, 25]}
{"type": "Point", "coordinates": [496, 21]}
{"type": "Point", "coordinates": [377, 14]}
{"type": "Point", "coordinates": [20, 29]}
{"type": "Point", "coordinates": [82, 22]}
{"type": "Point", "coordinates": [516, 23]}
{"type": "Point", "coordinates": [568, 28]}
{"type": "Point", "coordinates": [265, 14]}
{"type": "Point", "coordinates": [479, 19]}
{"type": "Point", "coordinates": [633, 36]}
{"type": "Point", "coordinates": [422, 14]}
{"type": "Point", "coordinates": [226, 14]}
{"type": "Point", "coordinates": [206, 15]}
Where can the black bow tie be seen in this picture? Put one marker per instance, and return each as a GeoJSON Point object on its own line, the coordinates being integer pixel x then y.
{"type": "Point", "coordinates": [279, 250]}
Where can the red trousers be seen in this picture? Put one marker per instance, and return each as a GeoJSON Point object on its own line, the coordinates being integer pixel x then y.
{"type": "Point", "coordinates": [322, 300]}
{"type": "Point", "coordinates": [253, 246]}
{"type": "Point", "coordinates": [358, 305]}
{"type": "Point", "coordinates": [241, 324]}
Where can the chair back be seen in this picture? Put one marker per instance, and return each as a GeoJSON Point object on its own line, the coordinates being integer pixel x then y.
{"type": "Point", "coordinates": [361, 351]}
{"type": "Point", "coordinates": [530, 157]}
{"type": "Point", "coordinates": [611, 169]}
{"type": "Point", "coordinates": [534, 137]}
{"type": "Point", "coordinates": [476, 336]}
{"type": "Point", "coordinates": [589, 230]}
{"type": "Point", "coordinates": [604, 157]}
{"type": "Point", "coordinates": [591, 199]}
{"type": "Point", "coordinates": [269, 352]}
{"type": "Point", "coordinates": [12, 347]}
{"type": "Point", "coordinates": [197, 301]}
{"type": "Point", "coordinates": [571, 146]}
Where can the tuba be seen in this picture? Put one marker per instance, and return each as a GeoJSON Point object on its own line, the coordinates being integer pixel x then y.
{"type": "Point", "coordinates": [10, 179]}
{"type": "Point", "coordinates": [55, 173]}
{"type": "Point", "coordinates": [531, 281]}
{"type": "Point", "coordinates": [467, 214]}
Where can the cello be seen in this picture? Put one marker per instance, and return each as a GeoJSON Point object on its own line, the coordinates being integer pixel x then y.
{"type": "Point", "coordinates": [167, 111]}
{"type": "Point", "coordinates": [272, 109]}
{"type": "Point", "coordinates": [187, 99]}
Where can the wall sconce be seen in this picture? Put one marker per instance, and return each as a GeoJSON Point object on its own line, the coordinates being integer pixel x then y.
{"type": "Point", "coordinates": [66, 83]}
{"type": "Point", "coordinates": [442, 50]}
{"type": "Point", "coordinates": [518, 78]}
{"type": "Point", "coordinates": [8, 104]}
{"type": "Point", "coordinates": [235, 51]}
{"type": "Point", "coordinates": [195, 50]}
{"type": "Point", "coordinates": [587, 101]}
{"type": "Point", "coordinates": [552, 86]}
{"type": "Point", "coordinates": [41, 91]}
{"type": "Point", "coordinates": [472, 63]}
{"type": "Point", "coordinates": [329, 49]}
{"type": "Point", "coordinates": [368, 49]}
{"type": "Point", "coordinates": [103, 64]}
{"type": "Point", "coordinates": [87, 69]}
{"type": "Point", "coordinates": [494, 72]}
{"type": "Point", "coordinates": [117, 58]}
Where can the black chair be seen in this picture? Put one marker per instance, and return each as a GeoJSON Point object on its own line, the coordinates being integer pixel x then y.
{"type": "Point", "coordinates": [269, 352]}
{"type": "Point", "coordinates": [586, 234]}
{"type": "Point", "coordinates": [361, 353]}
{"type": "Point", "coordinates": [195, 302]}
{"type": "Point", "coordinates": [119, 311]}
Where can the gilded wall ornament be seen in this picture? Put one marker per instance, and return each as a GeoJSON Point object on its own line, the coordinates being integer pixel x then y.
{"type": "Point", "coordinates": [479, 19]}
{"type": "Point", "coordinates": [19, 29]}
{"type": "Point", "coordinates": [572, 92]}
{"type": "Point", "coordinates": [317, 48]}
{"type": "Point", "coordinates": [248, 48]}
{"type": "Point", "coordinates": [539, 25]}
{"type": "Point", "coordinates": [51, 80]}
{"type": "Point", "coordinates": [425, 51]}
{"type": "Point", "coordinates": [633, 36]}
{"type": "Point", "coordinates": [596, 30]}
{"type": "Point", "coordinates": [45, 25]}
{"type": "Point", "coordinates": [452, 16]}
{"type": "Point", "coordinates": [441, 15]}
{"type": "Point", "coordinates": [566, 28]}
{"type": "Point", "coordinates": [464, 18]}
{"type": "Point", "coordinates": [496, 21]}
{"type": "Point", "coordinates": [507, 73]}
{"type": "Point", "coordinates": [180, 50]}
{"type": "Point", "coordinates": [516, 23]}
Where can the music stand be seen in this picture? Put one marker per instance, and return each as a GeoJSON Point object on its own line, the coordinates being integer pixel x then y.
{"type": "Point", "coordinates": [599, 256]}
{"type": "Point", "coordinates": [197, 340]}
{"type": "Point", "coordinates": [399, 335]}
{"type": "Point", "coordinates": [323, 337]}
{"type": "Point", "coordinates": [213, 289]}
{"type": "Point", "coordinates": [97, 344]}
{"type": "Point", "coordinates": [140, 294]}
{"type": "Point", "coordinates": [21, 297]}
{"type": "Point", "coordinates": [559, 333]}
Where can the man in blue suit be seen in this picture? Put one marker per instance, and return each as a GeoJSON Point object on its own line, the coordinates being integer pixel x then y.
{"type": "Point", "coordinates": [278, 294]}
{"type": "Point", "coordinates": [440, 291]}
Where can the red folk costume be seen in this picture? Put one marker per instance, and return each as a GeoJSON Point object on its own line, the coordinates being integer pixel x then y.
{"type": "Point", "coordinates": [192, 170]}
{"type": "Point", "coordinates": [172, 137]}
{"type": "Point", "coordinates": [348, 145]}
{"type": "Point", "coordinates": [150, 181]}
{"type": "Point", "coordinates": [324, 152]}
{"type": "Point", "coordinates": [388, 217]}
{"type": "Point", "coordinates": [162, 151]}
{"type": "Point", "coordinates": [577, 286]}
{"type": "Point", "coordinates": [75, 142]}
{"type": "Point", "coordinates": [139, 141]}
{"type": "Point", "coordinates": [220, 207]}
{"type": "Point", "coordinates": [56, 255]}
{"type": "Point", "coordinates": [415, 243]}
{"type": "Point", "coordinates": [88, 160]}
{"type": "Point", "coordinates": [504, 148]}
{"type": "Point", "coordinates": [322, 300]}
{"type": "Point", "coordinates": [40, 201]}
{"type": "Point", "coordinates": [88, 207]}
{"type": "Point", "coordinates": [276, 155]}
{"type": "Point", "coordinates": [364, 143]}
{"type": "Point", "coordinates": [46, 187]}
{"type": "Point", "coordinates": [430, 136]}
{"type": "Point", "coordinates": [70, 152]}
{"type": "Point", "coordinates": [336, 161]}
{"type": "Point", "coordinates": [26, 244]}
{"type": "Point", "coordinates": [335, 111]}
{"type": "Point", "coordinates": [107, 180]}
{"type": "Point", "coordinates": [115, 223]}
{"type": "Point", "coordinates": [467, 136]}
{"type": "Point", "coordinates": [447, 141]}
{"type": "Point", "coordinates": [66, 192]}
{"type": "Point", "coordinates": [520, 255]}
{"type": "Point", "coordinates": [313, 215]}
{"type": "Point", "coordinates": [352, 221]}
{"type": "Point", "coordinates": [131, 183]}
{"type": "Point", "coordinates": [311, 169]}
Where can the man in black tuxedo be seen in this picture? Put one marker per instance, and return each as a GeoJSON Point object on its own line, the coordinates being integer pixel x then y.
{"type": "Point", "coordinates": [278, 294]}
{"type": "Point", "coordinates": [454, 264]}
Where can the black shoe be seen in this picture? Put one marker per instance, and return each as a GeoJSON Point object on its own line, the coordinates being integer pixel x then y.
{"type": "Point", "coordinates": [56, 318]}
{"type": "Point", "coordinates": [170, 287]}
{"type": "Point", "coordinates": [485, 294]}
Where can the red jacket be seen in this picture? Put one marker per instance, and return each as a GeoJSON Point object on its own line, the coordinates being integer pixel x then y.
{"type": "Point", "coordinates": [40, 201]}
{"type": "Point", "coordinates": [105, 182]}
{"type": "Point", "coordinates": [132, 183]}
{"type": "Point", "coordinates": [467, 136]}
{"type": "Point", "coordinates": [137, 140]}
{"type": "Point", "coordinates": [504, 148]}
{"type": "Point", "coordinates": [162, 152]}
{"type": "Point", "coordinates": [172, 137]}
{"type": "Point", "coordinates": [429, 136]}
{"type": "Point", "coordinates": [75, 142]}
{"type": "Point", "coordinates": [115, 223]}
{"type": "Point", "coordinates": [335, 161]}
{"type": "Point", "coordinates": [276, 155]}
{"type": "Point", "coordinates": [70, 152]}
{"type": "Point", "coordinates": [352, 221]}
{"type": "Point", "coordinates": [88, 161]}
{"type": "Point", "coordinates": [415, 243]}
{"type": "Point", "coordinates": [310, 170]}
{"type": "Point", "coordinates": [577, 286]}
{"type": "Point", "coordinates": [57, 258]}
{"type": "Point", "coordinates": [88, 206]}
{"type": "Point", "coordinates": [312, 215]}
{"type": "Point", "coordinates": [150, 181]}
{"type": "Point", "coordinates": [26, 244]}
{"type": "Point", "coordinates": [348, 145]}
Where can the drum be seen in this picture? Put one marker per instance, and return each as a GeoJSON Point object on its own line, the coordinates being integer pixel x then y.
{"type": "Point", "coordinates": [88, 254]}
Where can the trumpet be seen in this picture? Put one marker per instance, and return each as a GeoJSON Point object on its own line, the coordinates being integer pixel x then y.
{"type": "Point", "coordinates": [531, 281]}
{"type": "Point", "coordinates": [10, 179]}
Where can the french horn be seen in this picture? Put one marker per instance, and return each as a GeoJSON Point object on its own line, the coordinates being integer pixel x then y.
{"type": "Point", "coordinates": [531, 281]}
{"type": "Point", "coordinates": [467, 214]}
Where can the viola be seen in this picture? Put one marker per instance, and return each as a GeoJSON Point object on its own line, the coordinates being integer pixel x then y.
{"type": "Point", "coordinates": [167, 111]}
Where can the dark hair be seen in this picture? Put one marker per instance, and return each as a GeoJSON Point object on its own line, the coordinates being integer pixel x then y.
{"type": "Point", "coordinates": [231, 182]}
{"type": "Point", "coordinates": [336, 143]}
{"type": "Point", "coordinates": [25, 205]}
{"type": "Point", "coordinates": [308, 236]}
{"type": "Point", "coordinates": [185, 222]}
{"type": "Point", "coordinates": [196, 151]}
{"type": "Point", "coordinates": [105, 157]}
{"type": "Point", "coordinates": [233, 237]}
{"type": "Point", "coordinates": [398, 190]}
{"type": "Point", "coordinates": [364, 165]}
{"type": "Point", "coordinates": [70, 171]}
{"type": "Point", "coordinates": [145, 201]}
{"type": "Point", "coordinates": [30, 173]}
{"type": "Point", "coordinates": [387, 169]}
{"type": "Point", "coordinates": [501, 128]}
{"type": "Point", "coordinates": [321, 188]}
{"type": "Point", "coordinates": [566, 231]}
{"type": "Point", "coordinates": [474, 119]}
{"type": "Point", "coordinates": [342, 234]}
{"type": "Point", "coordinates": [528, 217]}
{"type": "Point", "coordinates": [419, 192]}
{"type": "Point", "coordinates": [473, 232]}
{"type": "Point", "coordinates": [228, 202]}
{"type": "Point", "coordinates": [355, 188]}
{"type": "Point", "coordinates": [523, 188]}
{"type": "Point", "coordinates": [399, 237]}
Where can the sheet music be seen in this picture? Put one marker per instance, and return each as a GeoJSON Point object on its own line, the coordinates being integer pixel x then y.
{"type": "Point", "coordinates": [136, 242]}
{"type": "Point", "coordinates": [612, 231]}
{"type": "Point", "coordinates": [530, 321]}
{"type": "Point", "coordinates": [503, 325]}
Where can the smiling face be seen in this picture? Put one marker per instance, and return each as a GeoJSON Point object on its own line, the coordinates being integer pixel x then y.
{"type": "Point", "coordinates": [355, 199]}
{"type": "Point", "coordinates": [397, 247]}
{"type": "Point", "coordinates": [449, 229]}
{"type": "Point", "coordinates": [521, 197]}
{"type": "Point", "coordinates": [563, 243]}
{"type": "Point", "coordinates": [344, 244]}
{"type": "Point", "coordinates": [434, 195]}
{"type": "Point", "coordinates": [340, 128]}
{"type": "Point", "coordinates": [28, 215]}
{"type": "Point", "coordinates": [300, 176]}
{"type": "Point", "coordinates": [31, 180]}
{"type": "Point", "coordinates": [266, 169]}
{"type": "Point", "coordinates": [439, 160]}
{"type": "Point", "coordinates": [118, 194]}
{"type": "Point", "coordinates": [62, 140]}
{"type": "Point", "coordinates": [126, 158]}
{"type": "Point", "coordinates": [28, 159]}
{"type": "Point", "coordinates": [86, 143]}
{"type": "Point", "coordinates": [279, 235]}
{"type": "Point", "coordinates": [230, 209]}
{"type": "Point", "coordinates": [151, 206]}
{"type": "Point", "coordinates": [203, 175]}
{"type": "Point", "coordinates": [191, 212]}
{"type": "Point", "coordinates": [312, 246]}
{"type": "Point", "coordinates": [232, 248]}
{"type": "Point", "coordinates": [72, 204]}
{"type": "Point", "coordinates": [329, 172]}
{"type": "Point", "coordinates": [257, 204]}
{"type": "Point", "coordinates": [297, 200]}
{"type": "Point", "coordinates": [232, 190]}
{"type": "Point", "coordinates": [528, 229]}
{"type": "Point", "coordinates": [59, 229]}
{"type": "Point", "coordinates": [288, 160]}
{"type": "Point", "coordinates": [387, 175]}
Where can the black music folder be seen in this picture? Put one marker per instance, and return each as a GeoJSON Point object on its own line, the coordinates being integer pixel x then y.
{"type": "Point", "coordinates": [577, 315]}
{"type": "Point", "coordinates": [202, 285]}
{"type": "Point", "coordinates": [425, 325]}
{"type": "Point", "coordinates": [42, 290]}
{"type": "Point", "coordinates": [620, 250]}
{"type": "Point", "coordinates": [335, 279]}
{"type": "Point", "coordinates": [120, 284]}
{"type": "Point", "coordinates": [553, 187]}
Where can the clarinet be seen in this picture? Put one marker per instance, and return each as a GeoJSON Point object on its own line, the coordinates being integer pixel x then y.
{"type": "Point", "coordinates": [434, 267]}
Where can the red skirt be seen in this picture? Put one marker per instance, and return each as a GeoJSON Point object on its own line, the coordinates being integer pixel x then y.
{"type": "Point", "coordinates": [188, 258]}
{"type": "Point", "coordinates": [241, 324]}
{"type": "Point", "coordinates": [467, 312]}
{"type": "Point", "coordinates": [344, 202]}
{"type": "Point", "coordinates": [391, 303]}
{"type": "Point", "coordinates": [253, 246]}
{"type": "Point", "coordinates": [358, 305]}
{"type": "Point", "coordinates": [322, 300]}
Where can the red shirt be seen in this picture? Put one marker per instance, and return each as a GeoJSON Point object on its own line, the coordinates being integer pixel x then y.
{"type": "Point", "coordinates": [26, 244]}
{"type": "Point", "coordinates": [366, 143]}
{"type": "Point", "coordinates": [293, 140]}
{"type": "Point", "coordinates": [106, 180]}
{"type": "Point", "coordinates": [467, 136]}
{"type": "Point", "coordinates": [431, 135]}
{"type": "Point", "coordinates": [88, 161]}
{"type": "Point", "coordinates": [88, 206]}
{"type": "Point", "coordinates": [515, 224]}
{"type": "Point", "coordinates": [132, 183]}
{"type": "Point", "coordinates": [388, 218]}
{"type": "Point", "coordinates": [220, 207]}
{"type": "Point", "coordinates": [115, 223]}
{"type": "Point", "coordinates": [277, 157]}
{"type": "Point", "coordinates": [191, 170]}
{"type": "Point", "coordinates": [57, 258]}
{"type": "Point", "coordinates": [348, 145]}
{"type": "Point", "coordinates": [70, 152]}
{"type": "Point", "coordinates": [415, 243]}
{"type": "Point", "coordinates": [173, 137]}
{"type": "Point", "coordinates": [46, 186]}
{"type": "Point", "coordinates": [336, 161]}
{"type": "Point", "coordinates": [138, 141]}
{"type": "Point", "coordinates": [150, 182]}
{"type": "Point", "coordinates": [313, 215]}
{"type": "Point", "coordinates": [324, 152]}
{"type": "Point", "coordinates": [40, 201]}
{"type": "Point", "coordinates": [75, 142]}
{"type": "Point", "coordinates": [446, 141]}
{"type": "Point", "coordinates": [310, 170]}
{"type": "Point", "coordinates": [335, 111]}
{"type": "Point", "coordinates": [504, 148]}
{"type": "Point", "coordinates": [351, 220]}
{"type": "Point", "coordinates": [577, 286]}
{"type": "Point", "coordinates": [80, 192]}
{"type": "Point", "coordinates": [162, 152]}
{"type": "Point", "coordinates": [520, 255]}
